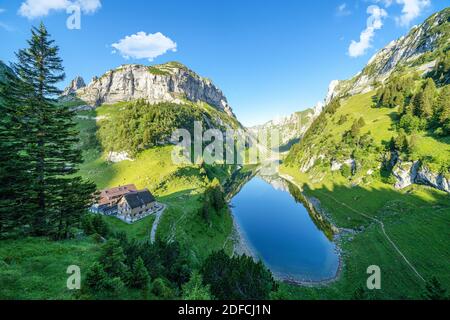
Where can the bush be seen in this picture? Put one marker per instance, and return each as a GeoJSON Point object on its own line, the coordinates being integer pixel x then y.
{"type": "Point", "coordinates": [194, 289]}
{"type": "Point", "coordinates": [161, 288]}
{"type": "Point", "coordinates": [346, 171]}
{"type": "Point", "coordinates": [343, 119]}
{"type": "Point", "coordinates": [139, 276]}
{"type": "Point", "coordinates": [237, 278]}
{"type": "Point", "coordinates": [411, 123]}
{"type": "Point", "coordinates": [95, 224]}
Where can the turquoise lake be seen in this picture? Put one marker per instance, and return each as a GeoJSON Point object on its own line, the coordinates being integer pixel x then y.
{"type": "Point", "coordinates": [279, 230]}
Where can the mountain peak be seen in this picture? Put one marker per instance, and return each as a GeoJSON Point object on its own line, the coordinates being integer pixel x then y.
{"type": "Point", "coordinates": [76, 84]}
{"type": "Point", "coordinates": [169, 82]}
{"type": "Point", "coordinates": [417, 50]}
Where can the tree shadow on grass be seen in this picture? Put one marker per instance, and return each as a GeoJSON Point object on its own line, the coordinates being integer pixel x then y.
{"type": "Point", "coordinates": [355, 206]}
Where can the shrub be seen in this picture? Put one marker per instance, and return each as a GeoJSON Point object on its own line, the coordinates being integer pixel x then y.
{"type": "Point", "coordinates": [194, 289]}
{"type": "Point", "coordinates": [237, 278]}
{"type": "Point", "coordinates": [161, 288]}
{"type": "Point", "coordinates": [346, 171]}
{"type": "Point", "coordinates": [411, 123]}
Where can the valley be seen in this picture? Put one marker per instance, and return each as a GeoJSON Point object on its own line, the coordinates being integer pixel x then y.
{"type": "Point", "coordinates": [362, 179]}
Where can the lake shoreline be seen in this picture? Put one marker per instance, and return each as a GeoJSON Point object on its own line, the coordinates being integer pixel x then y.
{"type": "Point", "coordinates": [241, 247]}
{"type": "Point", "coordinates": [317, 207]}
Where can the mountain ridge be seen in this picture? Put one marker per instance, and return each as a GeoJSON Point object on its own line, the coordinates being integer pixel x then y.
{"type": "Point", "coordinates": [170, 82]}
{"type": "Point", "coordinates": [389, 120]}
{"type": "Point", "coordinates": [420, 43]}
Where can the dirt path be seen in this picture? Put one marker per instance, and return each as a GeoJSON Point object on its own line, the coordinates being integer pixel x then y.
{"type": "Point", "coordinates": [156, 223]}
{"type": "Point", "coordinates": [173, 229]}
{"type": "Point", "coordinates": [382, 229]}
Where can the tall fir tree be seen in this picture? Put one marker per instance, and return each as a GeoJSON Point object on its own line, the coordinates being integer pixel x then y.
{"type": "Point", "coordinates": [48, 141]}
{"type": "Point", "coordinates": [139, 277]}
{"type": "Point", "coordinates": [442, 110]}
{"type": "Point", "coordinates": [424, 100]}
{"type": "Point", "coordinates": [15, 206]}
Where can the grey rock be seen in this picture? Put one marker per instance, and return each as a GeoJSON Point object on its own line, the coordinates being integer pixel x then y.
{"type": "Point", "coordinates": [436, 180]}
{"type": "Point", "coordinates": [171, 82]}
{"type": "Point", "coordinates": [405, 173]}
{"type": "Point", "coordinates": [74, 85]}
{"type": "Point", "coordinates": [408, 173]}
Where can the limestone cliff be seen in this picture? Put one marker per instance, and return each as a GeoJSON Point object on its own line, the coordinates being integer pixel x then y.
{"type": "Point", "coordinates": [411, 51]}
{"type": "Point", "coordinates": [171, 82]}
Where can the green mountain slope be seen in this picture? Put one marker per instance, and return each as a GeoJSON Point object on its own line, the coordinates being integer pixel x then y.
{"type": "Point", "coordinates": [397, 129]}
{"type": "Point", "coordinates": [129, 142]}
{"type": "Point", "coordinates": [378, 159]}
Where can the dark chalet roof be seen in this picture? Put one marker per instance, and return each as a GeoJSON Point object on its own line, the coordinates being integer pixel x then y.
{"type": "Point", "coordinates": [139, 198]}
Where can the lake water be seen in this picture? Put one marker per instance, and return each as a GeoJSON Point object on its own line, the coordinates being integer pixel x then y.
{"type": "Point", "coordinates": [280, 231]}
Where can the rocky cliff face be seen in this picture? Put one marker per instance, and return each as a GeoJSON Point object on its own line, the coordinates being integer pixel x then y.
{"type": "Point", "coordinates": [406, 51]}
{"type": "Point", "coordinates": [171, 82]}
{"type": "Point", "coordinates": [75, 85]}
{"type": "Point", "coordinates": [408, 173]}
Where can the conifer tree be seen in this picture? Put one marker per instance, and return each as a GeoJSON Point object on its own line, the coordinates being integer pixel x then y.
{"type": "Point", "coordinates": [442, 110]}
{"type": "Point", "coordinates": [217, 195]}
{"type": "Point", "coordinates": [194, 289]}
{"type": "Point", "coordinates": [113, 259]}
{"type": "Point", "coordinates": [424, 100]}
{"type": "Point", "coordinates": [15, 207]}
{"type": "Point", "coordinates": [51, 139]}
{"type": "Point", "coordinates": [140, 278]}
{"type": "Point", "coordinates": [96, 277]}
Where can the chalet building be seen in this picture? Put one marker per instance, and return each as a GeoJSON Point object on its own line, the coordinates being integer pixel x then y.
{"type": "Point", "coordinates": [126, 203]}
{"type": "Point", "coordinates": [112, 196]}
{"type": "Point", "coordinates": [109, 198]}
{"type": "Point", "coordinates": [136, 205]}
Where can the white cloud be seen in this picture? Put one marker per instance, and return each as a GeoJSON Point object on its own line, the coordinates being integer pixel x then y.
{"type": "Point", "coordinates": [89, 6]}
{"type": "Point", "coordinates": [386, 3]}
{"type": "Point", "coordinates": [411, 10]}
{"type": "Point", "coordinates": [3, 25]}
{"type": "Point", "coordinates": [40, 8]}
{"type": "Point", "coordinates": [374, 22]}
{"type": "Point", "coordinates": [144, 46]}
{"type": "Point", "coordinates": [343, 10]}
{"type": "Point", "coordinates": [6, 27]}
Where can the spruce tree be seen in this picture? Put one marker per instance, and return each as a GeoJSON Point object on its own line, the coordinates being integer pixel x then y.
{"type": "Point", "coordinates": [442, 110]}
{"type": "Point", "coordinates": [139, 278]}
{"type": "Point", "coordinates": [96, 277]}
{"type": "Point", "coordinates": [112, 259]}
{"type": "Point", "coordinates": [15, 207]}
{"type": "Point", "coordinates": [194, 289]}
{"type": "Point", "coordinates": [424, 100]}
{"type": "Point", "coordinates": [51, 140]}
{"type": "Point", "coordinates": [217, 195]}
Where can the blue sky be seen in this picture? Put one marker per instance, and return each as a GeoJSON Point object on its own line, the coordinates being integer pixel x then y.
{"type": "Point", "coordinates": [270, 58]}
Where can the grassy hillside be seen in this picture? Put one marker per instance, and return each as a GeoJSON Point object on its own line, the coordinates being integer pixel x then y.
{"type": "Point", "coordinates": [405, 232]}
{"type": "Point", "coordinates": [178, 186]}
{"type": "Point", "coordinates": [416, 219]}
{"type": "Point", "coordinates": [36, 268]}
